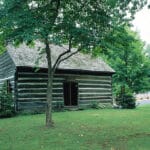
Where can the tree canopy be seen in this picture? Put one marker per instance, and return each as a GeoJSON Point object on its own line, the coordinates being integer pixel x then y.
{"type": "Point", "coordinates": [86, 23]}
{"type": "Point", "coordinates": [147, 50]}
{"type": "Point", "coordinates": [125, 54]}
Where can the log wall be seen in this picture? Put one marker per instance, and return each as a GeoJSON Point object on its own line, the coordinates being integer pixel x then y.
{"type": "Point", "coordinates": [92, 88]}
{"type": "Point", "coordinates": [7, 70]}
{"type": "Point", "coordinates": [31, 89]}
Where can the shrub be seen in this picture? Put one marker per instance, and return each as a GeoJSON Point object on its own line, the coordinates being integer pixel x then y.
{"type": "Point", "coordinates": [6, 103]}
{"type": "Point", "coordinates": [126, 100]}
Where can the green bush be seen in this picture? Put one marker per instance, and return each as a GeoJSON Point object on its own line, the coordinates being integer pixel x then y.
{"type": "Point", "coordinates": [6, 103]}
{"type": "Point", "coordinates": [126, 100]}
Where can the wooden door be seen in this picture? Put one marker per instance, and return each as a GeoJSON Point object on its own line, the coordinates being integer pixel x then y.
{"type": "Point", "coordinates": [70, 93]}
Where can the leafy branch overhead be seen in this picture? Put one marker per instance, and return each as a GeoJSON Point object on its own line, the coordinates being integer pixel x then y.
{"type": "Point", "coordinates": [86, 22]}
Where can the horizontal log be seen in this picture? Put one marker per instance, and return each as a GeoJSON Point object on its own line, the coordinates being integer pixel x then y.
{"type": "Point", "coordinates": [40, 90]}
{"type": "Point", "coordinates": [7, 78]}
{"type": "Point", "coordinates": [1, 74]}
{"type": "Point", "coordinates": [78, 77]}
{"type": "Point", "coordinates": [95, 98]}
{"type": "Point", "coordinates": [5, 60]}
{"type": "Point", "coordinates": [31, 82]}
{"type": "Point", "coordinates": [94, 79]}
{"type": "Point", "coordinates": [37, 95]}
{"type": "Point", "coordinates": [58, 79]}
{"type": "Point", "coordinates": [29, 98]}
{"type": "Point", "coordinates": [1, 83]}
{"type": "Point", "coordinates": [7, 66]}
{"type": "Point", "coordinates": [32, 86]}
{"type": "Point", "coordinates": [96, 101]}
{"type": "Point", "coordinates": [57, 85]}
{"type": "Point", "coordinates": [35, 80]}
{"type": "Point", "coordinates": [38, 78]}
{"type": "Point", "coordinates": [11, 72]}
{"type": "Point", "coordinates": [31, 79]}
{"type": "Point", "coordinates": [59, 98]}
{"type": "Point", "coordinates": [96, 82]}
{"type": "Point", "coordinates": [4, 55]}
{"type": "Point", "coordinates": [94, 94]}
{"type": "Point", "coordinates": [59, 90]}
{"type": "Point", "coordinates": [32, 75]}
{"type": "Point", "coordinates": [38, 100]}
{"type": "Point", "coordinates": [56, 99]}
{"type": "Point", "coordinates": [5, 63]}
{"type": "Point", "coordinates": [94, 90]}
{"type": "Point", "coordinates": [32, 95]}
{"type": "Point", "coordinates": [7, 74]}
{"type": "Point", "coordinates": [38, 85]}
{"type": "Point", "coordinates": [87, 85]}
{"type": "Point", "coordinates": [32, 103]}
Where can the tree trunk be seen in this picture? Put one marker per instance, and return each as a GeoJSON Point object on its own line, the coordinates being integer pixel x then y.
{"type": "Point", "coordinates": [49, 122]}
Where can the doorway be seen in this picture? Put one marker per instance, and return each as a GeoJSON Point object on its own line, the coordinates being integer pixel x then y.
{"type": "Point", "coordinates": [70, 93]}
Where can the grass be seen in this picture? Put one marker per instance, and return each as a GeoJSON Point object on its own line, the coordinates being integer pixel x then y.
{"type": "Point", "coordinates": [106, 129]}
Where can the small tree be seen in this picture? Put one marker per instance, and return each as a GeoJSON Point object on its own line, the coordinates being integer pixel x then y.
{"type": "Point", "coordinates": [6, 103]}
{"type": "Point", "coordinates": [125, 97]}
{"type": "Point", "coordinates": [131, 65]}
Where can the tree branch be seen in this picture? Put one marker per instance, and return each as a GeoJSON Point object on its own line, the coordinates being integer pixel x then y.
{"type": "Point", "coordinates": [62, 54]}
{"type": "Point", "coordinates": [59, 60]}
{"type": "Point", "coordinates": [68, 56]}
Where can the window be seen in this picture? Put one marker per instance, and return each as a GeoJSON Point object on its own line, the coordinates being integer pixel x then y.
{"type": "Point", "coordinates": [8, 85]}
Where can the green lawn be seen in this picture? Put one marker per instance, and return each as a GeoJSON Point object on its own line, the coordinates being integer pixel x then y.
{"type": "Point", "coordinates": [106, 129]}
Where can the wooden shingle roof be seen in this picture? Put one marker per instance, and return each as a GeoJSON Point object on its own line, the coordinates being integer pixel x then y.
{"type": "Point", "coordinates": [25, 56]}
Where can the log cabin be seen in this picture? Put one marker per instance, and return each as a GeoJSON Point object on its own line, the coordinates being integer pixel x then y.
{"type": "Point", "coordinates": [78, 81]}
